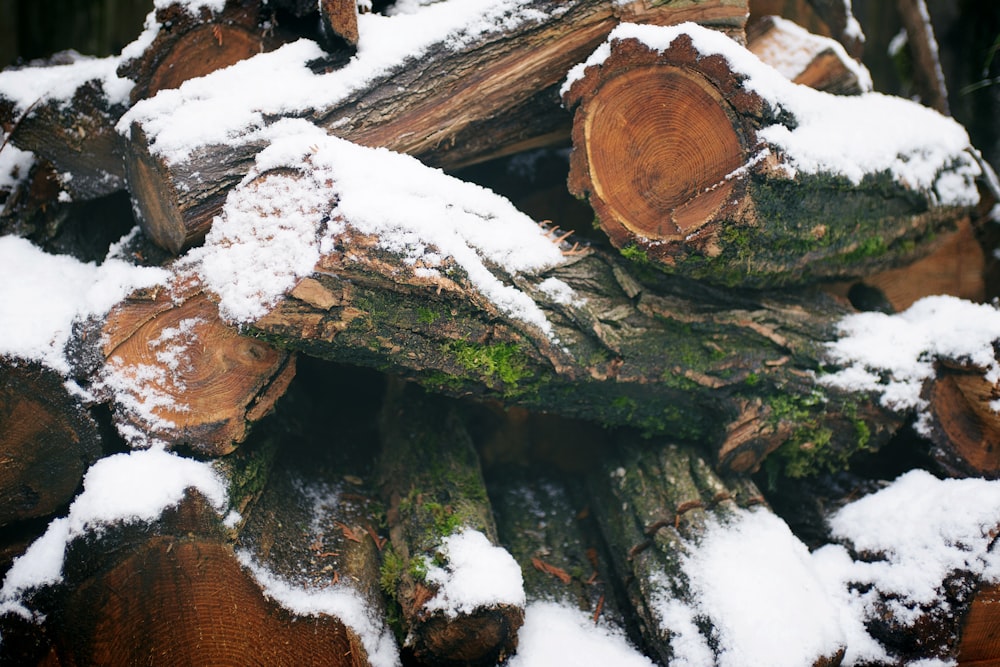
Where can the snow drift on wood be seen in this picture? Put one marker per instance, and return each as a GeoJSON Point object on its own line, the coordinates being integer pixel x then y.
{"type": "Point", "coordinates": [30, 87]}
{"type": "Point", "coordinates": [852, 137]}
{"type": "Point", "coordinates": [272, 233]}
{"type": "Point", "coordinates": [119, 489]}
{"type": "Point", "coordinates": [475, 575]}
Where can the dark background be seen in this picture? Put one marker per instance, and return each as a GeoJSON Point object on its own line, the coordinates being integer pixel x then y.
{"type": "Point", "coordinates": [967, 32]}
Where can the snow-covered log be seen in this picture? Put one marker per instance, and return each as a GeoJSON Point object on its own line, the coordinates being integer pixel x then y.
{"type": "Point", "coordinates": [460, 596]}
{"type": "Point", "coordinates": [697, 156]}
{"type": "Point", "coordinates": [452, 85]}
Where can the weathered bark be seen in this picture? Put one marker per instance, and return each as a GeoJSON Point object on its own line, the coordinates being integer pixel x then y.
{"type": "Point", "coordinates": [428, 107]}
{"type": "Point", "coordinates": [667, 147]}
{"type": "Point", "coordinates": [432, 487]}
{"type": "Point", "coordinates": [728, 370]}
{"type": "Point", "coordinates": [177, 374]}
{"type": "Point", "coordinates": [47, 440]}
{"type": "Point", "coordinates": [812, 60]}
{"type": "Point", "coordinates": [928, 77]}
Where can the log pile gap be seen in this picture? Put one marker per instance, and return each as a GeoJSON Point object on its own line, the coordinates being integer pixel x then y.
{"type": "Point", "coordinates": [306, 398]}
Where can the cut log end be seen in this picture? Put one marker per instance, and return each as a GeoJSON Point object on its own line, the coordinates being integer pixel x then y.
{"type": "Point", "coordinates": [204, 49]}
{"type": "Point", "coordinates": [963, 425]}
{"type": "Point", "coordinates": [660, 144]}
{"type": "Point", "coordinates": [485, 637]}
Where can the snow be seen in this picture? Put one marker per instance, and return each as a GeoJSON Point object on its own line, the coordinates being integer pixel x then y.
{"type": "Point", "coordinates": [846, 136]}
{"type": "Point", "coordinates": [556, 634]}
{"type": "Point", "coordinates": [339, 600]}
{"type": "Point", "coordinates": [755, 582]}
{"type": "Point", "coordinates": [271, 235]}
{"type": "Point", "coordinates": [32, 86]}
{"type": "Point", "coordinates": [119, 489]}
{"type": "Point", "coordinates": [894, 355]}
{"type": "Point", "coordinates": [70, 291]}
{"type": "Point", "coordinates": [475, 574]}
{"type": "Point", "coordinates": [230, 102]}
{"type": "Point", "coordinates": [14, 165]}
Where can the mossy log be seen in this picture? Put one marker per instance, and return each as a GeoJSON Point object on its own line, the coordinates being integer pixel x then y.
{"type": "Point", "coordinates": [47, 440]}
{"type": "Point", "coordinates": [494, 95]}
{"type": "Point", "coordinates": [731, 371]}
{"type": "Point", "coordinates": [670, 150]}
{"type": "Point", "coordinates": [432, 487]}
{"type": "Point", "coordinates": [176, 374]}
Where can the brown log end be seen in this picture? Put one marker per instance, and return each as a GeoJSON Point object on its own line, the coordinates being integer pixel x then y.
{"type": "Point", "coordinates": [47, 439]}
{"type": "Point", "coordinates": [658, 137]}
{"type": "Point", "coordinates": [175, 601]}
{"type": "Point", "coordinates": [964, 427]}
{"type": "Point", "coordinates": [210, 381]}
{"type": "Point", "coordinates": [980, 642]}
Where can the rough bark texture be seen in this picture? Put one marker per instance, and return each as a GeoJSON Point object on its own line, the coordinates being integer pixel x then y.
{"type": "Point", "coordinates": [432, 487]}
{"type": "Point", "coordinates": [178, 375]}
{"type": "Point", "coordinates": [664, 146]}
{"type": "Point", "coordinates": [47, 440]}
{"type": "Point", "coordinates": [728, 370]}
{"type": "Point", "coordinates": [428, 107]}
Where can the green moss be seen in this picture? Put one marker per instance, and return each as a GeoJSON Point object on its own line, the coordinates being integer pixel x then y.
{"type": "Point", "coordinates": [392, 570]}
{"type": "Point", "coordinates": [752, 380]}
{"type": "Point", "coordinates": [418, 568]}
{"type": "Point", "coordinates": [427, 316]}
{"type": "Point", "coordinates": [503, 362]}
{"type": "Point", "coordinates": [635, 254]}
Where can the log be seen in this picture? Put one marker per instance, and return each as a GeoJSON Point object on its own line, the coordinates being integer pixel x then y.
{"type": "Point", "coordinates": [69, 120]}
{"type": "Point", "coordinates": [433, 490]}
{"type": "Point", "coordinates": [177, 375]}
{"type": "Point", "coordinates": [549, 534]}
{"type": "Point", "coordinates": [187, 42]}
{"type": "Point", "coordinates": [682, 144]}
{"type": "Point", "coordinates": [339, 19]}
{"type": "Point", "coordinates": [829, 18]}
{"type": "Point", "coordinates": [429, 105]}
{"type": "Point", "coordinates": [962, 424]}
{"type": "Point", "coordinates": [978, 644]}
{"type": "Point", "coordinates": [928, 77]}
{"type": "Point", "coordinates": [47, 441]}
{"type": "Point", "coordinates": [655, 502]}
{"type": "Point", "coordinates": [812, 60]}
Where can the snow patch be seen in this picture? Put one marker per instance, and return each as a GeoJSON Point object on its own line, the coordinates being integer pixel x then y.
{"type": "Point", "coordinates": [32, 86]}
{"type": "Point", "coordinates": [476, 574]}
{"type": "Point", "coordinates": [70, 291]}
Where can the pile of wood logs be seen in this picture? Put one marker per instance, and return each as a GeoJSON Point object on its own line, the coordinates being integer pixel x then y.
{"type": "Point", "coordinates": [372, 411]}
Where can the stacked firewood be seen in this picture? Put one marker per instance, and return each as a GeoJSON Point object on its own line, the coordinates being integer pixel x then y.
{"type": "Point", "coordinates": [374, 411]}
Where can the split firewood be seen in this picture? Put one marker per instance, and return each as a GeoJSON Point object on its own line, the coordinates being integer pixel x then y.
{"type": "Point", "coordinates": [666, 517]}
{"type": "Point", "coordinates": [47, 440]}
{"type": "Point", "coordinates": [698, 158]}
{"type": "Point", "coordinates": [466, 96]}
{"type": "Point", "coordinates": [442, 532]}
{"type": "Point", "coordinates": [963, 423]}
{"type": "Point", "coordinates": [812, 60]}
{"type": "Point", "coordinates": [176, 374]}
{"type": "Point", "coordinates": [820, 17]}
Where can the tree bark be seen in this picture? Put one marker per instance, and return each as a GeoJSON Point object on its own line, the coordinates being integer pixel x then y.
{"type": "Point", "coordinates": [668, 151]}
{"type": "Point", "coordinates": [432, 487]}
{"type": "Point", "coordinates": [47, 441]}
{"type": "Point", "coordinates": [428, 107]}
{"type": "Point", "coordinates": [928, 77]}
{"type": "Point", "coordinates": [176, 374]}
